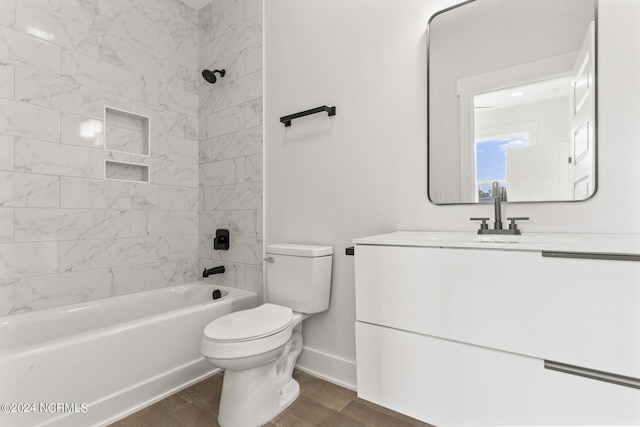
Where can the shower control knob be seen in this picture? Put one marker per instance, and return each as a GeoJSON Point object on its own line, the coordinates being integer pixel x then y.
{"type": "Point", "coordinates": [221, 240]}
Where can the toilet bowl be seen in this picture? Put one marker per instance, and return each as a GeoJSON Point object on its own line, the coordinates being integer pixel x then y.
{"type": "Point", "coordinates": [258, 347]}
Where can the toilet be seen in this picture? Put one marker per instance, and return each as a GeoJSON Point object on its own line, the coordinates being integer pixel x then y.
{"type": "Point", "coordinates": [258, 347]}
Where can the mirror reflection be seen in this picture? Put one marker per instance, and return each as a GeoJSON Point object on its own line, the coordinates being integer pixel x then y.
{"type": "Point", "coordinates": [512, 99]}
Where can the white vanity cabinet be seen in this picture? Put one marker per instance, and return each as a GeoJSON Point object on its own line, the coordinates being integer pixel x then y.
{"type": "Point", "coordinates": [464, 332]}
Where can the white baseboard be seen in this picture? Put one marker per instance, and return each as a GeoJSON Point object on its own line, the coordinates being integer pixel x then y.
{"type": "Point", "coordinates": [329, 367]}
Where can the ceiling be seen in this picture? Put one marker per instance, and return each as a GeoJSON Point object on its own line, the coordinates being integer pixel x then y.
{"type": "Point", "coordinates": [197, 4]}
{"type": "Point", "coordinates": [544, 90]}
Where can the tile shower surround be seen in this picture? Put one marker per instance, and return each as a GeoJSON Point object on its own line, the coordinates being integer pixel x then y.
{"type": "Point", "coordinates": [66, 233]}
{"type": "Point", "coordinates": [230, 157]}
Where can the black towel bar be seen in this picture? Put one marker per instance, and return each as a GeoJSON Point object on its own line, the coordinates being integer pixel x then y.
{"type": "Point", "coordinates": [331, 111]}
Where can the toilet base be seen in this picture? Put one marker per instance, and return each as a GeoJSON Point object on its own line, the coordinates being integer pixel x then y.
{"type": "Point", "coordinates": [253, 409]}
{"type": "Point", "coordinates": [289, 394]}
{"type": "Point", "coordinates": [253, 397]}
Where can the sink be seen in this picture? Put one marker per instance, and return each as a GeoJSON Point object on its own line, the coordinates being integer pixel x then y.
{"type": "Point", "coordinates": [560, 242]}
{"type": "Point", "coordinates": [488, 238]}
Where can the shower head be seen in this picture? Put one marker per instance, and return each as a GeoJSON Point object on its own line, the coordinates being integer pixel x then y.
{"type": "Point", "coordinates": [210, 76]}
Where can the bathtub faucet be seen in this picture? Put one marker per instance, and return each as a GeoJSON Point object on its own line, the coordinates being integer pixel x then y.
{"type": "Point", "coordinates": [214, 270]}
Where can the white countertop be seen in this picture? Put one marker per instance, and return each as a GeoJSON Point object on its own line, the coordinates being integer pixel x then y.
{"type": "Point", "coordinates": [560, 242]}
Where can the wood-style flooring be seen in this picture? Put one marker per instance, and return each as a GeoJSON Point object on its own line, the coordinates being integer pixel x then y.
{"type": "Point", "coordinates": [321, 404]}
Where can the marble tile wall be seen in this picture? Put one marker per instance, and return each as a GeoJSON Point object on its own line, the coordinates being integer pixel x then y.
{"type": "Point", "coordinates": [67, 234]}
{"type": "Point", "coordinates": [231, 140]}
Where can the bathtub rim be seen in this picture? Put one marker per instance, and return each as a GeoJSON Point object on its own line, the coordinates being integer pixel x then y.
{"type": "Point", "coordinates": [76, 305]}
{"type": "Point", "coordinates": [98, 333]}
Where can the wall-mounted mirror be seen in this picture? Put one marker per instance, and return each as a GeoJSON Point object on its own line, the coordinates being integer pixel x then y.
{"type": "Point", "coordinates": [512, 98]}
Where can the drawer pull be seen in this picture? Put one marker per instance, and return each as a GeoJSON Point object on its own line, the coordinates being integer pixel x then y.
{"type": "Point", "coordinates": [591, 255]}
{"type": "Point", "coordinates": [607, 377]}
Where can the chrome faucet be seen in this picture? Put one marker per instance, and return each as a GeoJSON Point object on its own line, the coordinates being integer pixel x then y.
{"type": "Point", "coordinates": [499, 195]}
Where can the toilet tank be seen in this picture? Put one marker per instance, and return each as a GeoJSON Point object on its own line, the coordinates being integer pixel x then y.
{"type": "Point", "coordinates": [299, 276]}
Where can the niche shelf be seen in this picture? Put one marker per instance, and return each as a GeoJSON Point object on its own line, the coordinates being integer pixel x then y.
{"type": "Point", "coordinates": [126, 171]}
{"type": "Point", "coordinates": [126, 132]}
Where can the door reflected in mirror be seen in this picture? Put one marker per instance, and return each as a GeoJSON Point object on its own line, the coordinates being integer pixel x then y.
{"type": "Point", "coordinates": [512, 99]}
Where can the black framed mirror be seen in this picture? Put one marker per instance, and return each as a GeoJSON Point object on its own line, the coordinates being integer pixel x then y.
{"type": "Point", "coordinates": [512, 98]}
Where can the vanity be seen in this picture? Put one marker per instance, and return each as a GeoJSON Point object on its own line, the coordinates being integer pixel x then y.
{"type": "Point", "coordinates": [500, 328]}
{"type": "Point", "coordinates": [459, 329]}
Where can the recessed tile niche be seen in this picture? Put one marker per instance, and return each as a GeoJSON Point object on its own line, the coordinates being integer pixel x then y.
{"type": "Point", "coordinates": [125, 171]}
{"type": "Point", "coordinates": [126, 132]}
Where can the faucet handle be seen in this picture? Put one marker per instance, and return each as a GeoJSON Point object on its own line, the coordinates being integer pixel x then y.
{"type": "Point", "coordinates": [484, 225]}
{"type": "Point", "coordinates": [512, 225]}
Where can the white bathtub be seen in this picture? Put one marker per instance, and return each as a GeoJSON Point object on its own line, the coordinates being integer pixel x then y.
{"type": "Point", "coordinates": [96, 362]}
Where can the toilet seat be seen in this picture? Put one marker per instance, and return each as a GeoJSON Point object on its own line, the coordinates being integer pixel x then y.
{"type": "Point", "coordinates": [247, 325]}
{"type": "Point", "coordinates": [248, 333]}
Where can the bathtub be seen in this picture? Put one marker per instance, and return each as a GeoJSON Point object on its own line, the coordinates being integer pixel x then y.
{"type": "Point", "coordinates": [96, 362]}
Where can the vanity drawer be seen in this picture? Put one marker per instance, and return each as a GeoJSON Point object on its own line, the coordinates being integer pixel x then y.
{"type": "Point", "coordinates": [451, 384]}
{"type": "Point", "coordinates": [573, 311]}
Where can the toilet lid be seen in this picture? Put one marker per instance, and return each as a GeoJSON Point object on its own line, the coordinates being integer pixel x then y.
{"type": "Point", "coordinates": [245, 325]}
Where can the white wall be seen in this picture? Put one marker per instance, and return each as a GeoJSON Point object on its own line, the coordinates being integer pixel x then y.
{"type": "Point", "coordinates": [363, 172]}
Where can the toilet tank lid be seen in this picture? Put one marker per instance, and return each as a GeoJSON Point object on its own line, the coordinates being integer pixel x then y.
{"type": "Point", "coordinates": [299, 250]}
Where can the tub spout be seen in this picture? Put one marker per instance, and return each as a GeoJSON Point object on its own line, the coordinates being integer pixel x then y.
{"type": "Point", "coordinates": [214, 270]}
